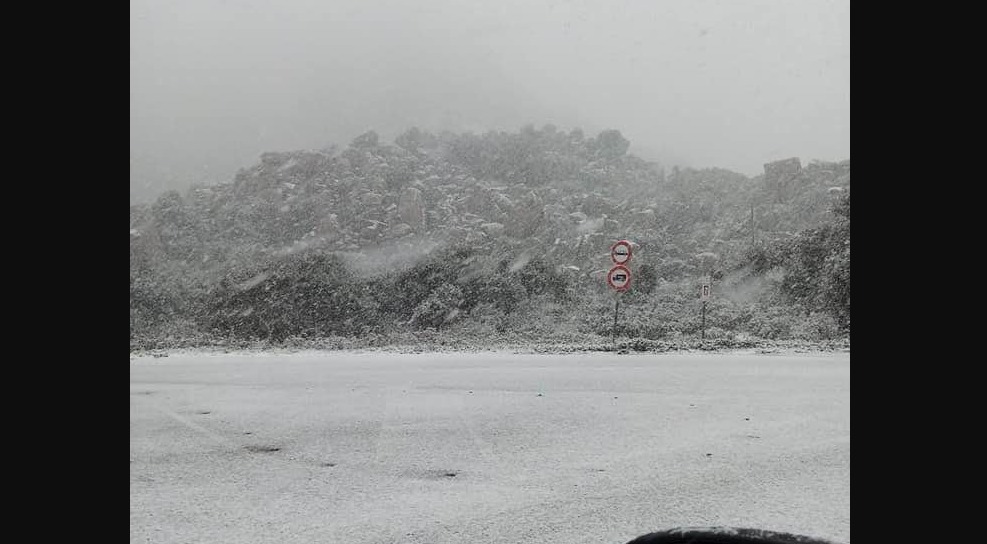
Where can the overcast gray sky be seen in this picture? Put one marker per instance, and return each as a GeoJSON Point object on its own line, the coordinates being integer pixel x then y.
{"type": "Point", "coordinates": [729, 83]}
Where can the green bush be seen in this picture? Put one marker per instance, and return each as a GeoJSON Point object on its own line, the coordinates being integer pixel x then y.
{"type": "Point", "coordinates": [440, 308]}
{"type": "Point", "coordinates": [772, 328]}
{"type": "Point", "coordinates": [309, 294]}
{"type": "Point", "coordinates": [816, 326]}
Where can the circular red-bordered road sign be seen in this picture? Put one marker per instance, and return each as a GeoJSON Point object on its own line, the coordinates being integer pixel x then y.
{"type": "Point", "coordinates": [619, 277]}
{"type": "Point", "coordinates": [620, 252]}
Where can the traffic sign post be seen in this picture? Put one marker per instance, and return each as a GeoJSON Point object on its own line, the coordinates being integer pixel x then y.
{"type": "Point", "coordinates": [704, 296]}
{"type": "Point", "coordinates": [703, 333]}
{"type": "Point", "coordinates": [619, 278]}
{"type": "Point", "coordinates": [613, 333]}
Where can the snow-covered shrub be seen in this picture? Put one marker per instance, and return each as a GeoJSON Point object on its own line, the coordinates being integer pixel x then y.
{"type": "Point", "coordinates": [440, 308]}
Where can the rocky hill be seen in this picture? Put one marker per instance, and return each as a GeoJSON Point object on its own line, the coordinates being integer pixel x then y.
{"type": "Point", "coordinates": [538, 200]}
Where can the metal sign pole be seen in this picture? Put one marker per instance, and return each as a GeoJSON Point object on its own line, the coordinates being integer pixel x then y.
{"type": "Point", "coordinates": [616, 308]}
{"type": "Point", "coordinates": [703, 337]}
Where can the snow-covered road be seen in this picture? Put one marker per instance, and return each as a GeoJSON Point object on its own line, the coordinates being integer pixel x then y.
{"type": "Point", "coordinates": [485, 447]}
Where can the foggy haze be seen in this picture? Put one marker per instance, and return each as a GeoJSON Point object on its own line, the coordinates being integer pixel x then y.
{"type": "Point", "coordinates": [703, 83]}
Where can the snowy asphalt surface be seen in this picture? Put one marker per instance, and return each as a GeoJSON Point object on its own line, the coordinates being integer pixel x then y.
{"type": "Point", "coordinates": [485, 447]}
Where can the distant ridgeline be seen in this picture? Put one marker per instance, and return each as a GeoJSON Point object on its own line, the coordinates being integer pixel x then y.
{"type": "Point", "coordinates": [496, 233]}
